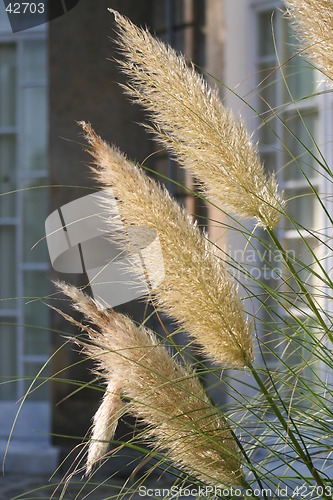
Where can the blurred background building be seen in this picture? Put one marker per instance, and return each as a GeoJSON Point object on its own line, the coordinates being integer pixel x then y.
{"type": "Point", "coordinates": [52, 76]}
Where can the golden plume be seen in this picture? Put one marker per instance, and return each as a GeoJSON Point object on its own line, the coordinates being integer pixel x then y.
{"type": "Point", "coordinates": [167, 397]}
{"type": "Point", "coordinates": [190, 120]}
{"type": "Point", "coordinates": [313, 21]}
{"type": "Point", "coordinates": [104, 424]}
{"type": "Point", "coordinates": [196, 291]}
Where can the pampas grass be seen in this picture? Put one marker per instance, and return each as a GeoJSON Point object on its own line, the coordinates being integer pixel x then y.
{"type": "Point", "coordinates": [313, 21]}
{"type": "Point", "coordinates": [276, 426]}
{"type": "Point", "coordinates": [160, 392]}
{"type": "Point", "coordinates": [195, 279]}
{"type": "Point", "coordinates": [104, 424]}
{"type": "Point", "coordinates": [190, 120]}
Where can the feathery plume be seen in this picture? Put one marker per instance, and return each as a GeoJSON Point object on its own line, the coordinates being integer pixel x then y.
{"type": "Point", "coordinates": [164, 395]}
{"type": "Point", "coordinates": [313, 21]}
{"type": "Point", "coordinates": [190, 120]}
{"type": "Point", "coordinates": [104, 425]}
{"type": "Point", "coordinates": [196, 290]}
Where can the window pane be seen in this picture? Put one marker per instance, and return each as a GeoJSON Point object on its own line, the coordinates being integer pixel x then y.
{"type": "Point", "coordinates": [299, 74]}
{"type": "Point", "coordinates": [7, 85]}
{"type": "Point", "coordinates": [30, 371]}
{"type": "Point", "coordinates": [34, 60]}
{"type": "Point", "coordinates": [36, 337]}
{"type": "Point", "coordinates": [305, 265]}
{"type": "Point", "coordinates": [303, 132]}
{"type": "Point", "coordinates": [7, 174]}
{"type": "Point", "coordinates": [266, 45]}
{"type": "Point", "coordinates": [8, 367]}
{"type": "Point", "coordinates": [34, 154]}
{"type": "Point", "coordinates": [269, 161]}
{"type": "Point", "coordinates": [7, 266]}
{"type": "Point", "coordinates": [4, 22]}
{"type": "Point", "coordinates": [34, 213]}
{"type": "Point", "coordinates": [298, 352]}
{"type": "Point", "coordinates": [302, 207]}
{"type": "Point", "coordinates": [267, 103]}
{"type": "Point", "coordinates": [300, 78]}
{"type": "Point", "coordinates": [270, 337]}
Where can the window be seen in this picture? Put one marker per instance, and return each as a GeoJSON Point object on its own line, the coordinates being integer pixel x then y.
{"type": "Point", "coordinates": [23, 208]}
{"type": "Point", "coordinates": [179, 24]}
{"type": "Point", "coordinates": [296, 120]}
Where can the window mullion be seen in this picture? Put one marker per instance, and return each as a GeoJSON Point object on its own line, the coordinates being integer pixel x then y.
{"type": "Point", "coordinates": [20, 208]}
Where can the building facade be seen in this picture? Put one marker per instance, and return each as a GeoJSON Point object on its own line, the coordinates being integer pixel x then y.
{"type": "Point", "coordinates": [24, 167]}
{"type": "Point", "coordinates": [55, 75]}
{"type": "Point", "coordinates": [51, 77]}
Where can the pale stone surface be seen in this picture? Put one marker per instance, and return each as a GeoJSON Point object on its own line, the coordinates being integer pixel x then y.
{"type": "Point", "coordinates": [25, 457]}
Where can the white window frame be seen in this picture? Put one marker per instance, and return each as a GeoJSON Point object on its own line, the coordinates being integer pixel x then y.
{"type": "Point", "coordinates": [324, 106]}
{"type": "Point", "coordinates": [34, 414]}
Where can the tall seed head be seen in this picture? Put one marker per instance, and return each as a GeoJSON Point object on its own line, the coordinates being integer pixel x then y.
{"type": "Point", "coordinates": [196, 291]}
{"type": "Point", "coordinates": [190, 120]}
{"type": "Point", "coordinates": [167, 397]}
{"type": "Point", "coordinates": [104, 425]}
{"type": "Point", "coordinates": [313, 20]}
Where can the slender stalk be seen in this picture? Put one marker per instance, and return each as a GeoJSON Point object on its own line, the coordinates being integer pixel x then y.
{"type": "Point", "coordinates": [245, 483]}
{"type": "Point", "coordinates": [306, 292]}
{"type": "Point", "coordinates": [305, 458]}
